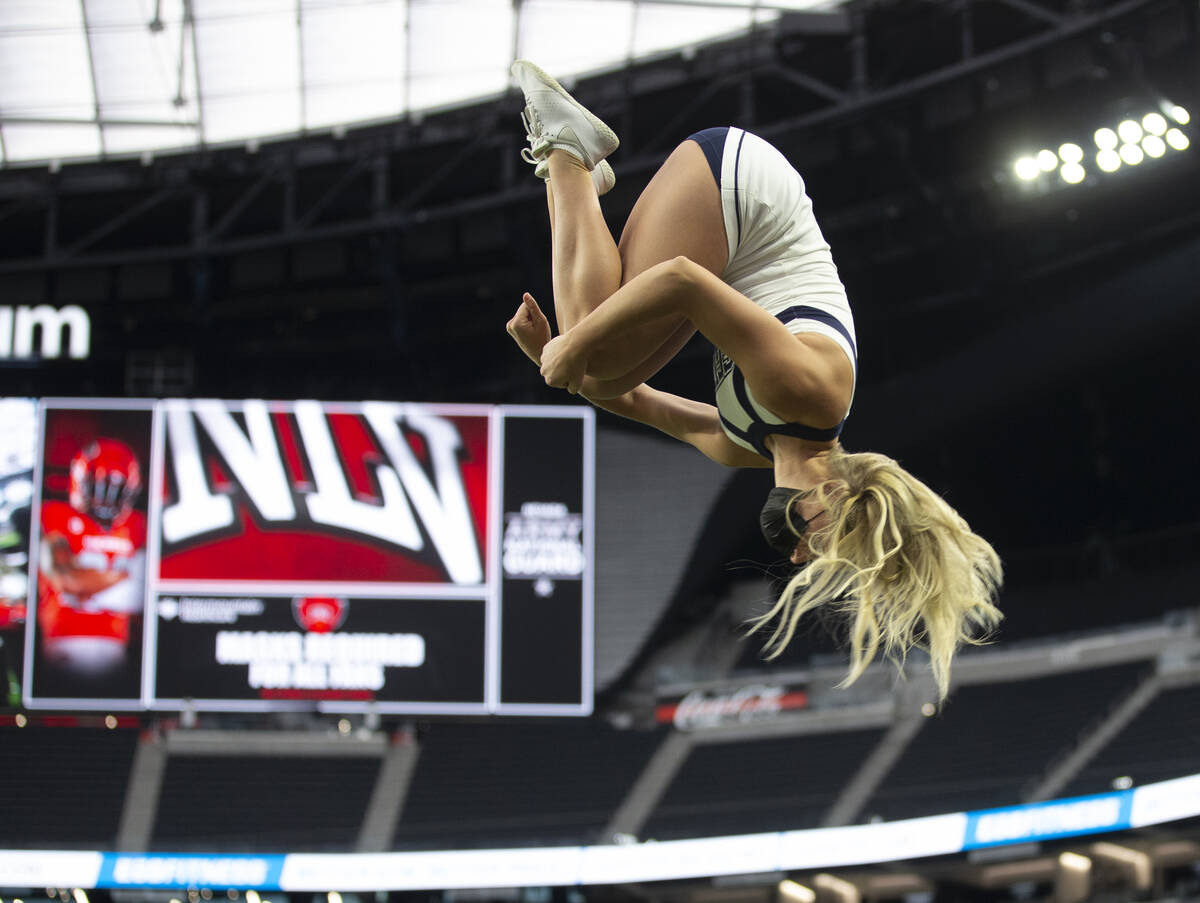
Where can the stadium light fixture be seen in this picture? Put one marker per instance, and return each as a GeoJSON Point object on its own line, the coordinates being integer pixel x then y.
{"type": "Point", "coordinates": [1108, 160]}
{"type": "Point", "coordinates": [1154, 123]}
{"type": "Point", "coordinates": [1130, 131]}
{"type": "Point", "coordinates": [1106, 139]}
{"type": "Point", "coordinates": [1027, 169]}
{"type": "Point", "coordinates": [1132, 154]}
{"type": "Point", "coordinates": [1154, 146]}
{"type": "Point", "coordinates": [1129, 143]}
{"type": "Point", "coordinates": [80, 895]}
{"type": "Point", "coordinates": [1070, 153]}
{"type": "Point", "coordinates": [334, 897]}
{"type": "Point", "coordinates": [252, 896]}
{"type": "Point", "coordinates": [1072, 173]}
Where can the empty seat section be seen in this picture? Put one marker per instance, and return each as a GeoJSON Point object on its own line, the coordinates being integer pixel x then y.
{"type": "Point", "coordinates": [519, 784]}
{"type": "Point", "coordinates": [1162, 742]}
{"type": "Point", "coordinates": [779, 784]}
{"type": "Point", "coordinates": [263, 804]}
{"type": "Point", "coordinates": [992, 741]}
{"type": "Point", "coordinates": [63, 788]}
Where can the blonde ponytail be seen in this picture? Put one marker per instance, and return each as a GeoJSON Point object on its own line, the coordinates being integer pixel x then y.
{"type": "Point", "coordinates": [898, 562]}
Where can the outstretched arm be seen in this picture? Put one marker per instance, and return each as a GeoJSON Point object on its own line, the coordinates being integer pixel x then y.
{"type": "Point", "coordinates": [689, 421]}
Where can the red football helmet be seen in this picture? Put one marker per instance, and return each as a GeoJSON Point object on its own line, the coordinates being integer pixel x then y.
{"type": "Point", "coordinates": [105, 479]}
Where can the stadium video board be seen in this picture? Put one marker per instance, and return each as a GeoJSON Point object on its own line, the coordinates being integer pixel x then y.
{"type": "Point", "coordinates": [255, 555]}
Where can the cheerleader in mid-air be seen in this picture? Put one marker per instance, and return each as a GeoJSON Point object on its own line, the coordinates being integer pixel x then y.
{"type": "Point", "coordinates": [723, 240]}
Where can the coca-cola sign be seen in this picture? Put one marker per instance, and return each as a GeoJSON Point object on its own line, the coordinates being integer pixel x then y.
{"type": "Point", "coordinates": [752, 702]}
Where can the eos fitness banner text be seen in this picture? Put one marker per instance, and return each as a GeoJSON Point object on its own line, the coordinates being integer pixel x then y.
{"type": "Point", "coordinates": [251, 555]}
{"type": "Point", "coordinates": [777, 851]}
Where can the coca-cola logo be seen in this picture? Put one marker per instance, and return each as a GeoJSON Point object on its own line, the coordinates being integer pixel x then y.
{"type": "Point", "coordinates": [753, 702]}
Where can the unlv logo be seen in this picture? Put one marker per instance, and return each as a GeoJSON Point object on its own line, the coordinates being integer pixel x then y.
{"type": "Point", "coordinates": [320, 614]}
{"type": "Point", "coordinates": [386, 472]}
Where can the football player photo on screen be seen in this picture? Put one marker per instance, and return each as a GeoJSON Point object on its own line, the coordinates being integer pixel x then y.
{"type": "Point", "coordinates": [91, 568]}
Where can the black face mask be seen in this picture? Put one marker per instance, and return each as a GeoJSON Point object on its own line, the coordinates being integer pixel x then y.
{"type": "Point", "coordinates": [782, 530]}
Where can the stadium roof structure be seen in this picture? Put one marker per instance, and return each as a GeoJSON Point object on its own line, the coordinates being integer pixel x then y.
{"type": "Point", "coordinates": [105, 78]}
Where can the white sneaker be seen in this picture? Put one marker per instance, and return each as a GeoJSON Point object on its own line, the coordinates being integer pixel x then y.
{"type": "Point", "coordinates": [603, 176]}
{"type": "Point", "coordinates": [555, 119]}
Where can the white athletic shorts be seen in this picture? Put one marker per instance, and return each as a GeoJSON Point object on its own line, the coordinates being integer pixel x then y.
{"type": "Point", "coordinates": [777, 255]}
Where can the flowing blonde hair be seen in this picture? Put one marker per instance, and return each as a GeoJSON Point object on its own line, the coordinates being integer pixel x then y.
{"type": "Point", "coordinates": [899, 562]}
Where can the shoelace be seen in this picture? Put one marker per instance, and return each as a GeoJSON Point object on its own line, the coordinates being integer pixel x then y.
{"type": "Point", "coordinates": [533, 131]}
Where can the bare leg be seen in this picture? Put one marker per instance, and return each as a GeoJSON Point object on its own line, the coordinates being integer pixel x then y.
{"type": "Point", "coordinates": [678, 213]}
{"type": "Point", "coordinates": [585, 262]}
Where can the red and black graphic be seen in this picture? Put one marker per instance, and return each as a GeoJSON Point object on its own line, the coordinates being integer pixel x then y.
{"type": "Point", "coordinates": [737, 705]}
{"type": "Point", "coordinates": [91, 571]}
{"type": "Point", "coordinates": [257, 652]}
{"type": "Point", "coordinates": [368, 493]}
{"type": "Point", "coordinates": [291, 554]}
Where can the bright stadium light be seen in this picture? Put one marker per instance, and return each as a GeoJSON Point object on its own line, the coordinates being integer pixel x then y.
{"type": "Point", "coordinates": [1070, 153]}
{"type": "Point", "coordinates": [1129, 131]}
{"type": "Point", "coordinates": [1132, 154]}
{"type": "Point", "coordinates": [1072, 173]}
{"type": "Point", "coordinates": [1106, 139]}
{"type": "Point", "coordinates": [1027, 169]}
{"type": "Point", "coordinates": [1154, 123]}
{"type": "Point", "coordinates": [1154, 146]}
{"type": "Point", "coordinates": [1135, 139]}
{"type": "Point", "coordinates": [252, 896]}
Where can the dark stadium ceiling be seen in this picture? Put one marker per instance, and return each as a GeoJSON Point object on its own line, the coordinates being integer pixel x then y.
{"type": "Point", "coordinates": [102, 78]}
{"type": "Point", "coordinates": [348, 257]}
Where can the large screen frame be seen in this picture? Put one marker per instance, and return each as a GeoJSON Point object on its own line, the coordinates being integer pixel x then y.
{"type": "Point", "coordinates": [509, 662]}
